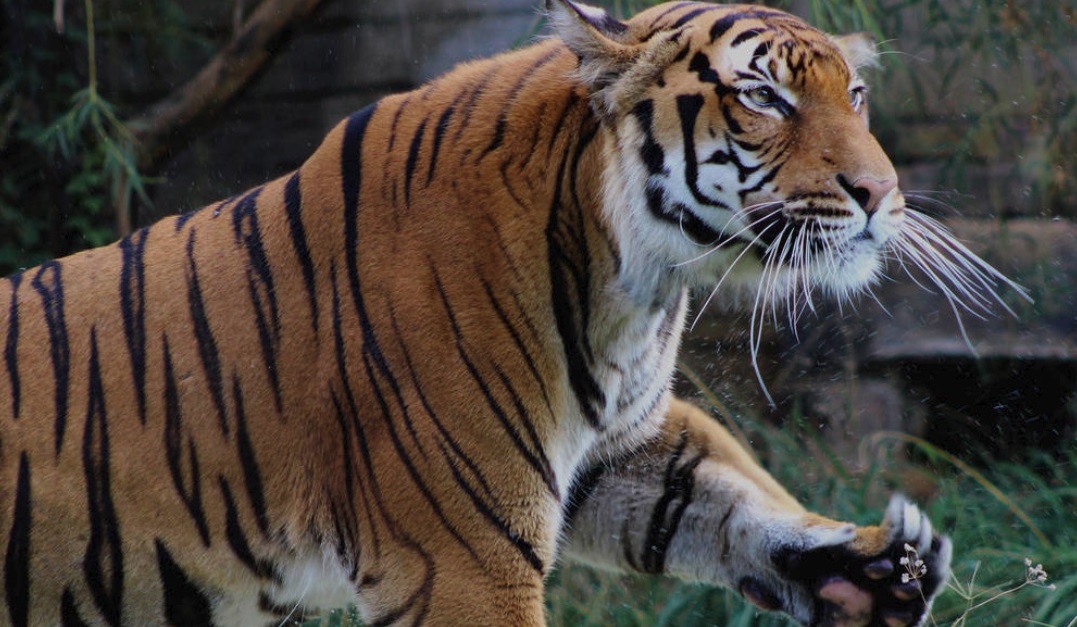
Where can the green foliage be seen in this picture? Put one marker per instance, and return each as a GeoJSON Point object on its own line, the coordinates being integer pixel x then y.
{"type": "Point", "coordinates": [992, 537]}
{"type": "Point", "coordinates": [66, 156]}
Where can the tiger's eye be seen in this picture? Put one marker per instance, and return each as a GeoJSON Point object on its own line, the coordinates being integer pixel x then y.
{"type": "Point", "coordinates": [856, 97]}
{"type": "Point", "coordinates": [763, 96]}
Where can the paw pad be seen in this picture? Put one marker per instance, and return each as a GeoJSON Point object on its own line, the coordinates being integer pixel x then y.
{"type": "Point", "coordinates": [889, 585]}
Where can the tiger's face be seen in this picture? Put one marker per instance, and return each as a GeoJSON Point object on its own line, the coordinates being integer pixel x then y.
{"type": "Point", "coordinates": [743, 150]}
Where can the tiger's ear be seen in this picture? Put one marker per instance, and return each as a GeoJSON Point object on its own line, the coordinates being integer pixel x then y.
{"type": "Point", "coordinates": [595, 37]}
{"type": "Point", "coordinates": [614, 65]}
{"type": "Point", "coordinates": [858, 49]}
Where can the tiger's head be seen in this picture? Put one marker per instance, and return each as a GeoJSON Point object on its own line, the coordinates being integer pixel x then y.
{"type": "Point", "coordinates": [738, 145]}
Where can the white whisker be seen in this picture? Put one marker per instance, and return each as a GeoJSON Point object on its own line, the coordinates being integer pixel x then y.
{"type": "Point", "coordinates": [875, 297]}
{"type": "Point", "coordinates": [755, 327]}
{"type": "Point", "coordinates": [984, 272]}
{"type": "Point", "coordinates": [928, 264]}
{"type": "Point", "coordinates": [778, 263]}
{"type": "Point", "coordinates": [731, 238]}
{"type": "Point", "coordinates": [726, 274]}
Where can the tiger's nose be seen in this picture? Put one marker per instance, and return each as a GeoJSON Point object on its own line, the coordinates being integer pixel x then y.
{"type": "Point", "coordinates": [868, 191]}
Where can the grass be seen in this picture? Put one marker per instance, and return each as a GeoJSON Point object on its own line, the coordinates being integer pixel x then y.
{"type": "Point", "coordinates": [1012, 525]}
{"type": "Point", "coordinates": [998, 517]}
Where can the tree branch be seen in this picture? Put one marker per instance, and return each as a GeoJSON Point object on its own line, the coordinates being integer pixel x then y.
{"type": "Point", "coordinates": [163, 126]}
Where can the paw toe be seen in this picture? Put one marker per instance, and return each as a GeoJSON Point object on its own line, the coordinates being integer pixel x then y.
{"type": "Point", "coordinates": [907, 591]}
{"type": "Point", "coordinates": [760, 595]}
{"type": "Point", "coordinates": [879, 569]}
{"type": "Point", "coordinates": [897, 618]}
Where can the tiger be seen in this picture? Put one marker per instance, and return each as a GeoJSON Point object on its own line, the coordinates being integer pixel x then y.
{"type": "Point", "coordinates": [419, 371]}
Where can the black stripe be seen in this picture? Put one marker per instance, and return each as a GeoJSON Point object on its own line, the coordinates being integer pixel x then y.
{"type": "Point", "coordinates": [103, 562]}
{"type": "Point", "coordinates": [11, 346]}
{"type": "Point", "coordinates": [582, 489]}
{"type": "Point", "coordinates": [524, 547]}
{"type": "Point", "coordinates": [69, 611]}
{"type": "Point", "coordinates": [502, 315]}
{"type": "Point", "coordinates": [293, 205]}
{"type": "Point", "coordinates": [561, 126]}
{"type": "Point", "coordinates": [413, 159]}
{"type": "Point", "coordinates": [280, 611]}
{"type": "Point", "coordinates": [521, 545]}
{"type": "Point", "coordinates": [731, 123]}
{"type": "Point", "coordinates": [185, 604]}
{"type": "Point", "coordinates": [374, 367]}
{"type": "Point", "coordinates": [762, 50]}
{"type": "Point", "coordinates": [267, 340]}
{"type": "Point", "coordinates": [49, 284]}
{"type": "Point", "coordinates": [650, 151]}
{"type": "Point", "coordinates": [454, 449]}
{"type": "Point", "coordinates": [499, 136]}
{"type": "Point", "coordinates": [181, 220]}
{"type": "Point", "coordinates": [173, 435]}
{"type": "Point", "coordinates": [252, 477]}
{"type": "Point", "coordinates": [351, 167]}
{"type": "Point", "coordinates": [237, 539]}
{"type": "Point", "coordinates": [207, 345]}
{"type": "Point", "coordinates": [260, 286]}
{"type": "Point", "coordinates": [357, 425]}
{"type": "Point", "coordinates": [688, 107]}
{"type": "Point", "coordinates": [540, 461]}
{"type": "Point", "coordinates": [344, 536]}
{"type": "Point", "coordinates": [349, 469]}
{"type": "Point", "coordinates": [721, 26]}
{"type": "Point", "coordinates": [767, 178]}
{"type": "Point", "coordinates": [439, 134]}
{"type": "Point", "coordinates": [679, 482]}
{"type": "Point", "coordinates": [536, 458]}
{"type": "Point", "coordinates": [17, 559]}
{"type": "Point", "coordinates": [509, 100]}
{"type": "Point", "coordinates": [672, 7]}
{"type": "Point", "coordinates": [133, 309]}
{"type": "Point", "coordinates": [396, 120]}
{"type": "Point", "coordinates": [701, 65]}
{"type": "Point", "coordinates": [566, 307]}
{"type": "Point", "coordinates": [351, 157]}
{"type": "Point", "coordinates": [477, 91]}
{"type": "Point", "coordinates": [687, 17]}
{"type": "Point", "coordinates": [745, 36]}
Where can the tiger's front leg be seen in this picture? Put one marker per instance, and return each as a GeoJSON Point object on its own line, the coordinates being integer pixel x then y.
{"type": "Point", "coordinates": [695, 505]}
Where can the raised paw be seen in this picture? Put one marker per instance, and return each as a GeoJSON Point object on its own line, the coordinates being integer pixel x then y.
{"type": "Point", "coordinates": [885, 576]}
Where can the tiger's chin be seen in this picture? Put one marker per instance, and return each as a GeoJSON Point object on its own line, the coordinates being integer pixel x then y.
{"type": "Point", "coordinates": [848, 274]}
{"type": "Point", "coordinates": [758, 279]}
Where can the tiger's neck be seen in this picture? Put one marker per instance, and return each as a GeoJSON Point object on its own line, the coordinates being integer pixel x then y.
{"type": "Point", "coordinates": [480, 205]}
